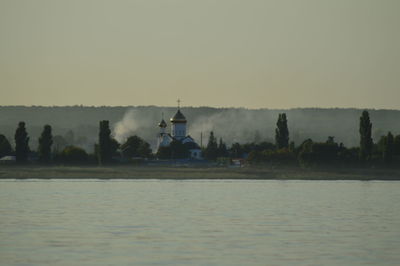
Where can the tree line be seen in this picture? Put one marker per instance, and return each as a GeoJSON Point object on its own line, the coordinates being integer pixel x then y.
{"type": "Point", "coordinates": [309, 153]}
{"type": "Point", "coordinates": [106, 150]}
{"type": "Point", "coordinates": [385, 152]}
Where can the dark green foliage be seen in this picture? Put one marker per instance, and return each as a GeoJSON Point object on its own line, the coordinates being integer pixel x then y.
{"type": "Point", "coordinates": [388, 148]}
{"type": "Point", "coordinates": [236, 151]}
{"type": "Point", "coordinates": [5, 146]}
{"type": "Point", "coordinates": [21, 143]}
{"type": "Point", "coordinates": [349, 156]}
{"type": "Point", "coordinates": [164, 153]}
{"type": "Point", "coordinates": [45, 142]}
{"type": "Point", "coordinates": [105, 144]}
{"type": "Point", "coordinates": [319, 153]}
{"type": "Point", "coordinates": [114, 146]}
{"type": "Point", "coordinates": [211, 151]}
{"type": "Point", "coordinates": [377, 148]}
{"type": "Point", "coordinates": [396, 145]}
{"type": "Point", "coordinates": [241, 150]}
{"type": "Point", "coordinates": [144, 149]}
{"type": "Point", "coordinates": [179, 150]}
{"type": "Point", "coordinates": [309, 153]}
{"type": "Point", "coordinates": [331, 140]}
{"type": "Point", "coordinates": [176, 150]}
{"type": "Point", "coordinates": [265, 146]}
{"type": "Point", "coordinates": [73, 155]}
{"type": "Point", "coordinates": [292, 146]}
{"type": "Point", "coordinates": [222, 150]}
{"type": "Point", "coordinates": [135, 147]}
{"type": "Point", "coordinates": [305, 152]}
{"type": "Point", "coordinates": [365, 137]}
{"type": "Point", "coordinates": [273, 157]}
{"type": "Point", "coordinates": [282, 132]}
{"type": "Point", "coordinates": [237, 124]}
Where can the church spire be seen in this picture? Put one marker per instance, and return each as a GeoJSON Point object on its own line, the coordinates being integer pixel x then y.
{"type": "Point", "coordinates": [178, 124]}
{"type": "Point", "coordinates": [162, 124]}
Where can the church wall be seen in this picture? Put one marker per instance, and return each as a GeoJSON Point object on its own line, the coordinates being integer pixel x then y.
{"type": "Point", "coordinates": [178, 130]}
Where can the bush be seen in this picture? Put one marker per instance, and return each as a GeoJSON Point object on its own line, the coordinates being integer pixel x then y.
{"type": "Point", "coordinates": [73, 155]}
{"type": "Point", "coordinates": [5, 146]}
{"type": "Point", "coordinates": [277, 157]}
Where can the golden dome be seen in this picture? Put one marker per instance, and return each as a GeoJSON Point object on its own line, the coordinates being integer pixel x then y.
{"type": "Point", "coordinates": [178, 117]}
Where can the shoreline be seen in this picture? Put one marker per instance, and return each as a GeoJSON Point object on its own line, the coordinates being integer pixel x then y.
{"type": "Point", "coordinates": [195, 173]}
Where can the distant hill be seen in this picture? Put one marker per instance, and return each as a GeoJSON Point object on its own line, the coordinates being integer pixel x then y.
{"type": "Point", "coordinates": [79, 124]}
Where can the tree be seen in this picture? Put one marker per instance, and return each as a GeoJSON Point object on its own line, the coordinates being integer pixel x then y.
{"type": "Point", "coordinates": [319, 153]}
{"type": "Point", "coordinates": [5, 146]}
{"type": "Point", "coordinates": [282, 132]}
{"type": "Point", "coordinates": [305, 155]}
{"type": "Point", "coordinates": [273, 157]}
{"type": "Point", "coordinates": [236, 150]}
{"type": "Point", "coordinates": [179, 150]}
{"type": "Point", "coordinates": [104, 149]}
{"type": "Point", "coordinates": [164, 152]}
{"type": "Point", "coordinates": [222, 150]}
{"type": "Point", "coordinates": [114, 146]}
{"type": "Point", "coordinates": [74, 155]}
{"type": "Point", "coordinates": [265, 146]}
{"type": "Point", "coordinates": [144, 149]}
{"type": "Point", "coordinates": [211, 151]}
{"type": "Point", "coordinates": [21, 143]}
{"type": "Point", "coordinates": [365, 137]}
{"type": "Point", "coordinates": [388, 148]}
{"type": "Point", "coordinates": [45, 142]}
{"type": "Point", "coordinates": [396, 145]}
{"type": "Point", "coordinates": [136, 147]}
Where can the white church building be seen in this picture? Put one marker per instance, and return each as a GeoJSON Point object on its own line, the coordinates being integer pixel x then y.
{"type": "Point", "coordinates": [178, 132]}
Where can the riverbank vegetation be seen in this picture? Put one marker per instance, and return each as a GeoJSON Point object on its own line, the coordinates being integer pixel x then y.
{"type": "Point", "coordinates": [383, 153]}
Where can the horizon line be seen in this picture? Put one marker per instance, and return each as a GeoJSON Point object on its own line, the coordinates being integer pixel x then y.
{"type": "Point", "coordinates": [200, 106]}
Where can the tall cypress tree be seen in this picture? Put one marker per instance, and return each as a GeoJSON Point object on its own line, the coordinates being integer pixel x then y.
{"type": "Point", "coordinates": [282, 132]}
{"type": "Point", "coordinates": [45, 142]}
{"type": "Point", "coordinates": [396, 145]}
{"type": "Point", "coordinates": [365, 136]}
{"type": "Point", "coordinates": [5, 146]}
{"type": "Point", "coordinates": [211, 151]}
{"type": "Point", "coordinates": [104, 150]}
{"type": "Point", "coordinates": [222, 150]}
{"type": "Point", "coordinates": [388, 148]}
{"type": "Point", "coordinates": [21, 143]}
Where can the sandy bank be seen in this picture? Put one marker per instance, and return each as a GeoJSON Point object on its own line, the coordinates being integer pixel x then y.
{"type": "Point", "coordinates": [125, 172]}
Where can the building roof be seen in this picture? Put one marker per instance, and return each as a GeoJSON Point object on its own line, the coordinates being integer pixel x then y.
{"type": "Point", "coordinates": [162, 123]}
{"type": "Point", "coordinates": [178, 117]}
{"type": "Point", "coordinates": [192, 146]}
{"type": "Point", "coordinates": [7, 158]}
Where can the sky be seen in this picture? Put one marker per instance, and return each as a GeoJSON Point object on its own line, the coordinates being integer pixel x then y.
{"type": "Point", "coordinates": [220, 53]}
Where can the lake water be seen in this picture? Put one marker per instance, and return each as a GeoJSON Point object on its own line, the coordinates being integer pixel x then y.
{"type": "Point", "coordinates": [138, 222]}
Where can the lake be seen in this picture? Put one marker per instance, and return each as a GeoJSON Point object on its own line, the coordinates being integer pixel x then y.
{"type": "Point", "coordinates": [240, 222]}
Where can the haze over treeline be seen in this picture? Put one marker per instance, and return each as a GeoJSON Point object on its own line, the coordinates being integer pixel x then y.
{"type": "Point", "coordinates": [79, 124]}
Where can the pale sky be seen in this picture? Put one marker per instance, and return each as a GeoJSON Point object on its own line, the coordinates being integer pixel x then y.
{"type": "Point", "coordinates": [221, 53]}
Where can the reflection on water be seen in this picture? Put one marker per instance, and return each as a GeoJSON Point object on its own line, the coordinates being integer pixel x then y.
{"type": "Point", "coordinates": [80, 222]}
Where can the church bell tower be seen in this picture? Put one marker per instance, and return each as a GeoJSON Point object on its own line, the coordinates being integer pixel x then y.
{"type": "Point", "coordinates": [178, 124]}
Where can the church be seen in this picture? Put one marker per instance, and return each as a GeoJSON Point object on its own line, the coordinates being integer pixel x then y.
{"type": "Point", "coordinates": [178, 132]}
